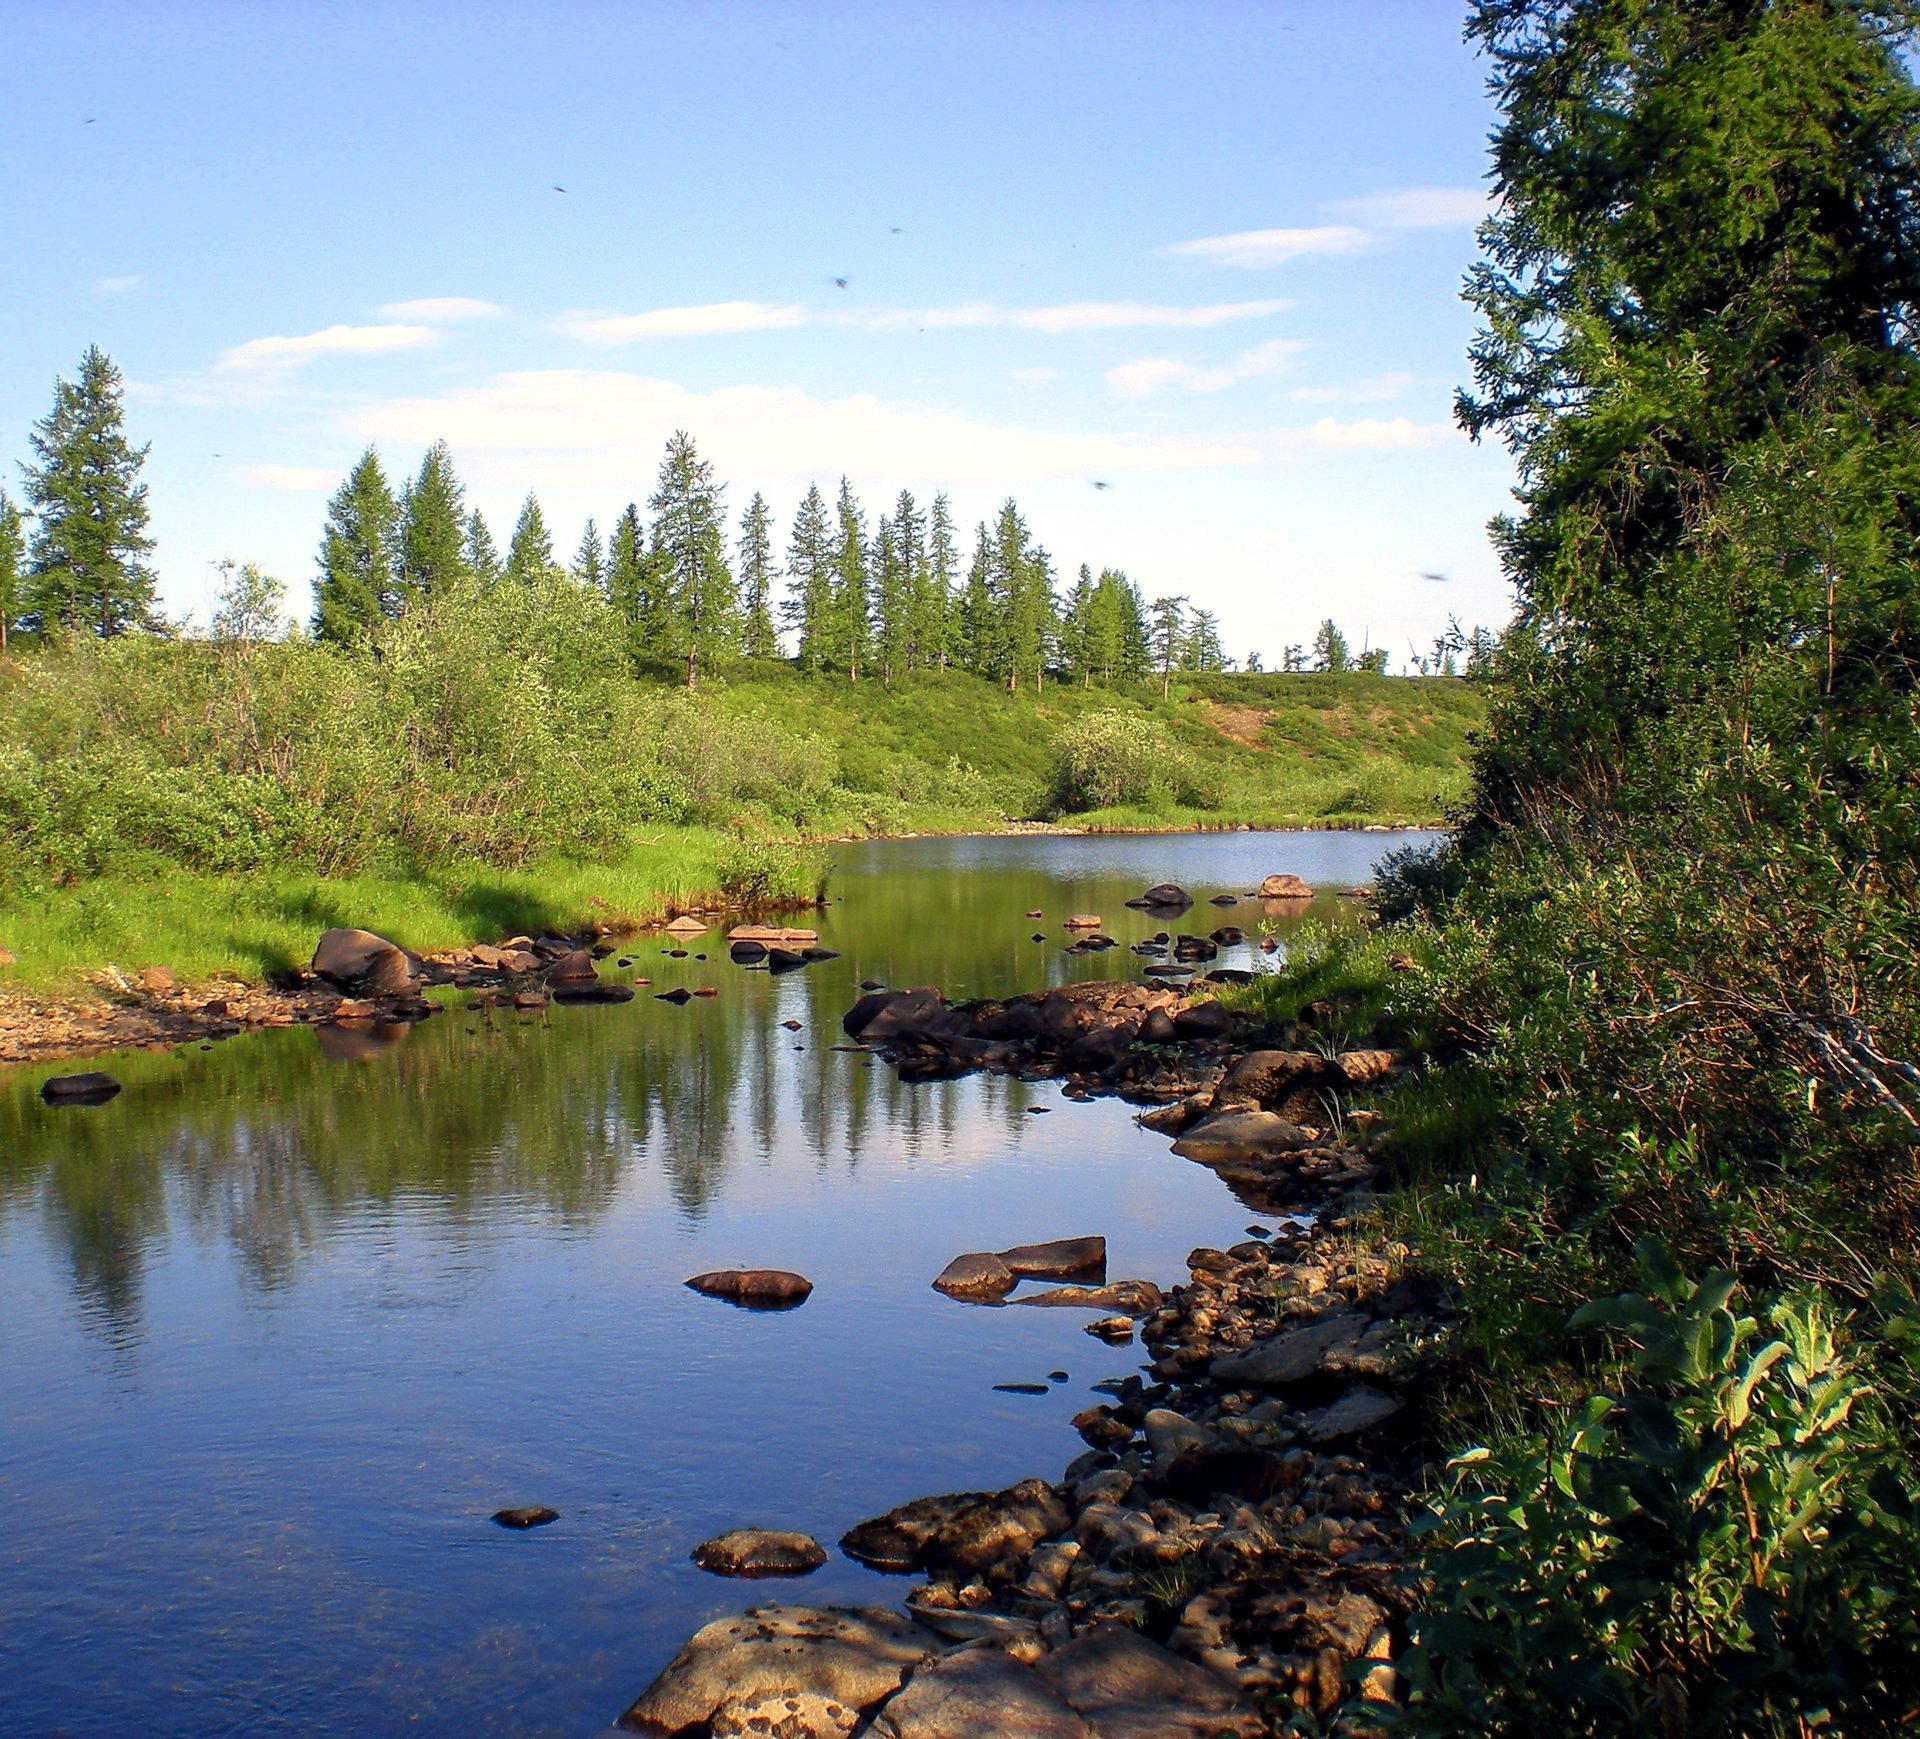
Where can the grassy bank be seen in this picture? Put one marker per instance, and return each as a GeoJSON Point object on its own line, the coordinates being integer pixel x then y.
{"type": "Point", "coordinates": [206, 926]}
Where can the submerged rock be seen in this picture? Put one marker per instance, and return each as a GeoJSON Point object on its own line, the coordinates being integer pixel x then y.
{"type": "Point", "coordinates": [1163, 897]}
{"type": "Point", "coordinates": [1135, 1297]}
{"type": "Point", "coordinates": [1233, 1137]}
{"type": "Point", "coordinates": [760, 1552]}
{"type": "Point", "coordinates": [978, 1274]}
{"type": "Point", "coordinates": [1060, 1259]}
{"type": "Point", "coordinates": [762, 1288]}
{"type": "Point", "coordinates": [533, 1516]}
{"type": "Point", "coordinates": [92, 1088]}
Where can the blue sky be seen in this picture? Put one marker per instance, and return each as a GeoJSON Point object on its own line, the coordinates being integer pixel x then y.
{"type": "Point", "coordinates": [1206, 254]}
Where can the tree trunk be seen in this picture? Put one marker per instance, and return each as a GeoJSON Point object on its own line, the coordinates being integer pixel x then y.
{"type": "Point", "coordinates": [693, 671]}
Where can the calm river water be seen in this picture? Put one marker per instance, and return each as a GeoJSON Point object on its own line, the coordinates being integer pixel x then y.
{"type": "Point", "coordinates": [280, 1331]}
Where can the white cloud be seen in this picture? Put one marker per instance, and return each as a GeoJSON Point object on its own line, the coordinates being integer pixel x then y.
{"type": "Point", "coordinates": [285, 353]}
{"type": "Point", "coordinates": [1253, 249]}
{"type": "Point", "coordinates": [1414, 208]}
{"type": "Point", "coordinates": [289, 479]}
{"type": "Point", "coordinates": [115, 286]}
{"type": "Point", "coordinates": [705, 320]}
{"type": "Point", "coordinates": [1371, 390]}
{"type": "Point", "coordinates": [1133, 380]}
{"type": "Point", "coordinates": [1375, 434]}
{"type": "Point", "coordinates": [609, 427]}
{"type": "Point", "coordinates": [442, 308]}
{"type": "Point", "coordinates": [1099, 316]}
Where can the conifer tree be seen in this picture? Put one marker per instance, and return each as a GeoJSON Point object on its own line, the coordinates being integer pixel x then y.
{"type": "Point", "coordinates": [481, 557]}
{"type": "Point", "coordinates": [757, 636]}
{"type": "Point", "coordinates": [852, 607]}
{"type": "Point", "coordinates": [530, 549]}
{"type": "Point", "coordinates": [1136, 645]}
{"type": "Point", "coordinates": [1022, 581]}
{"type": "Point", "coordinates": [807, 609]}
{"type": "Point", "coordinates": [1077, 628]}
{"type": "Point", "coordinates": [1167, 633]}
{"type": "Point", "coordinates": [590, 560]}
{"type": "Point", "coordinates": [1204, 650]}
{"type": "Point", "coordinates": [355, 590]}
{"type": "Point", "coordinates": [627, 568]}
{"type": "Point", "coordinates": [891, 592]}
{"type": "Point", "coordinates": [982, 623]}
{"type": "Point", "coordinates": [432, 536]}
{"type": "Point", "coordinates": [86, 565]}
{"type": "Point", "coordinates": [13, 564]}
{"type": "Point", "coordinates": [938, 608]}
{"type": "Point", "coordinates": [1331, 651]}
{"type": "Point", "coordinates": [696, 592]}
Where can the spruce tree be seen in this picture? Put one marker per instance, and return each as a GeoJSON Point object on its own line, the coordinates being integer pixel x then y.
{"type": "Point", "coordinates": [696, 591]}
{"type": "Point", "coordinates": [13, 564]}
{"type": "Point", "coordinates": [479, 553]}
{"type": "Point", "coordinates": [938, 606]}
{"type": "Point", "coordinates": [1331, 651]}
{"type": "Point", "coordinates": [982, 621]}
{"type": "Point", "coordinates": [757, 636]}
{"type": "Point", "coordinates": [355, 590]}
{"type": "Point", "coordinates": [1136, 644]}
{"type": "Point", "coordinates": [627, 568]}
{"type": "Point", "coordinates": [889, 587]}
{"type": "Point", "coordinates": [852, 608]}
{"type": "Point", "coordinates": [86, 565]}
{"type": "Point", "coordinates": [1204, 649]}
{"type": "Point", "coordinates": [1022, 581]}
{"type": "Point", "coordinates": [1077, 628]}
{"type": "Point", "coordinates": [530, 549]}
{"type": "Point", "coordinates": [807, 609]}
{"type": "Point", "coordinates": [590, 560]}
{"type": "Point", "coordinates": [432, 534]}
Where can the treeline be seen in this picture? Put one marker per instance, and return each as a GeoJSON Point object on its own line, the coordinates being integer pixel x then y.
{"type": "Point", "coordinates": [852, 596]}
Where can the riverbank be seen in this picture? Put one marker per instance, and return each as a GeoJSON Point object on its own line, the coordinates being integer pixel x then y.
{"type": "Point", "coordinates": [1226, 1555]}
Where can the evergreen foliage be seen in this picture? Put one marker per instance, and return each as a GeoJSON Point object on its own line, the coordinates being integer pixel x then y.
{"type": "Point", "coordinates": [694, 593]}
{"type": "Point", "coordinates": [86, 565]}
{"type": "Point", "coordinates": [808, 608]}
{"type": "Point", "coordinates": [530, 549]}
{"type": "Point", "coordinates": [355, 590]}
{"type": "Point", "coordinates": [758, 638]}
{"type": "Point", "coordinates": [481, 557]}
{"type": "Point", "coordinates": [13, 563]}
{"type": "Point", "coordinates": [590, 560]}
{"type": "Point", "coordinates": [431, 539]}
{"type": "Point", "coordinates": [850, 629]}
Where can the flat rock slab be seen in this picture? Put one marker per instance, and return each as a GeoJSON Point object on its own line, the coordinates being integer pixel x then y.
{"type": "Point", "coordinates": [1360, 1409]}
{"type": "Point", "coordinates": [1058, 1259]}
{"type": "Point", "coordinates": [978, 1274]}
{"type": "Point", "coordinates": [979, 1693]}
{"type": "Point", "coordinates": [833, 1663]}
{"type": "Point", "coordinates": [1131, 1688]}
{"type": "Point", "coordinates": [760, 1552]}
{"type": "Point", "coordinates": [959, 1532]}
{"type": "Point", "coordinates": [758, 1288]}
{"type": "Point", "coordinates": [1294, 1355]}
{"type": "Point", "coordinates": [1135, 1297]}
{"type": "Point", "coordinates": [768, 933]}
{"type": "Point", "coordinates": [1231, 1137]}
{"type": "Point", "coordinates": [530, 1516]}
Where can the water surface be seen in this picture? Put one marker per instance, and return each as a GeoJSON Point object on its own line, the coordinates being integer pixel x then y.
{"type": "Point", "coordinates": [281, 1328]}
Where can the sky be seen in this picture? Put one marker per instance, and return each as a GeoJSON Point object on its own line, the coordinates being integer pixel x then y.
{"type": "Point", "coordinates": [1205, 254]}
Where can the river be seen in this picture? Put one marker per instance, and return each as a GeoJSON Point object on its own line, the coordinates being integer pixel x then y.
{"type": "Point", "coordinates": [282, 1327]}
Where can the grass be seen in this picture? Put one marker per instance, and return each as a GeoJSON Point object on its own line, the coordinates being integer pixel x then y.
{"type": "Point", "coordinates": [203, 926]}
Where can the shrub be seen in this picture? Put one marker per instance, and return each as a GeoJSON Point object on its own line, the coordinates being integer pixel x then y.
{"type": "Point", "coordinates": [1112, 759]}
{"type": "Point", "coordinates": [1728, 1545]}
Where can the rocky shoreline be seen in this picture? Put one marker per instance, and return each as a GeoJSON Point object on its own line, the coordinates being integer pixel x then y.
{"type": "Point", "coordinates": [1226, 1557]}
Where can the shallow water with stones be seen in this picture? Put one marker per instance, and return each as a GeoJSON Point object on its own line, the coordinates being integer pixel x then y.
{"type": "Point", "coordinates": [283, 1328]}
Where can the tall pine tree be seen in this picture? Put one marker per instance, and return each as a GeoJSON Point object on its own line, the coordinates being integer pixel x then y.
{"type": "Point", "coordinates": [590, 560]}
{"type": "Point", "coordinates": [478, 551]}
{"type": "Point", "coordinates": [807, 609]}
{"type": "Point", "coordinates": [852, 619]}
{"type": "Point", "coordinates": [701, 616]}
{"type": "Point", "coordinates": [939, 605]}
{"type": "Point", "coordinates": [433, 532]}
{"type": "Point", "coordinates": [530, 549]}
{"type": "Point", "coordinates": [627, 570]}
{"type": "Point", "coordinates": [355, 590]}
{"type": "Point", "coordinates": [13, 564]}
{"type": "Point", "coordinates": [86, 568]}
{"type": "Point", "coordinates": [757, 637]}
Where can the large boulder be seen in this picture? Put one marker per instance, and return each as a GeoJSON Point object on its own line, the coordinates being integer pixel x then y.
{"type": "Point", "coordinates": [573, 967]}
{"type": "Point", "coordinates": [1266, 1079]}
{"type": "Point", "coordinates": [832, 1663]}
{"type": "Point", "coordinates": [1326, 1347]}
{"type": "Point", "coordinates": [92, 1088]}
{"type": "Point", "coordinates": [1059, 1259]}
{"type": "Point", "coordinates": [1233, 1137]}
{"type": "Point", "coordinates": [961, 1533]}
{"type": "Point", "coordinates": [980, 1692]}
{"type": "Point", "coordinates": [880, 1014]}
{"type": "Point", "coordinates": [760, 1552]}
{"type": "Point", "coordinates": [361, 961]}
{"type": "Point", "coordinates": [1285, 888]}
{"type": "Point", "coordinates": [977, 1274]}
{"type": "Point", "coordinates": [1163, 897]}
{"type": "Point", "coordinates": [761, 1288]}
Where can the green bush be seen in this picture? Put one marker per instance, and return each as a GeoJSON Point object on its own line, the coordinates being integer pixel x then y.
{"type": "Point", "coordinates": [1727, 1546]}
{"type": "Point", "coordinates": [1110, 760]}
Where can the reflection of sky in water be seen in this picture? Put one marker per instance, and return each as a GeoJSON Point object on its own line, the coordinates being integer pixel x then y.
{"type": "Point", "coordinates": [281, 1331]}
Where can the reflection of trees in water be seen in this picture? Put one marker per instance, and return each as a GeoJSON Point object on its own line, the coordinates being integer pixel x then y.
{"type": "Point", "coordinates": [271, 1141]}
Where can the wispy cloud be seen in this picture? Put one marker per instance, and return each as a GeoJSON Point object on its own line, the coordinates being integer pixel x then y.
{"type": "Point", "coordinates": [1150, 374]}
{"type": "Point", "coordinates": [445, 309]}
{"type": "Point", "coordinates": [116, 286]}
{"type": "Point", "coordinates": [1371, 390]}
{"type": "Point", "coordinates": [609, 425]}
{"type": "Point", "coordinates": [1414, 208]}
{"type": "Point", "coordinates": [1254, 249]}
{"type": "Point", "coordinates": [1375, 434]}
{"type": "Point", "coordinates": [289, 479]}
{"type": "Point", "coordinates": [266, 354]}
{"type": "Point", "coordinates": [1083, 316]}
{"type": "Point", "coordinates": [707, 319]}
